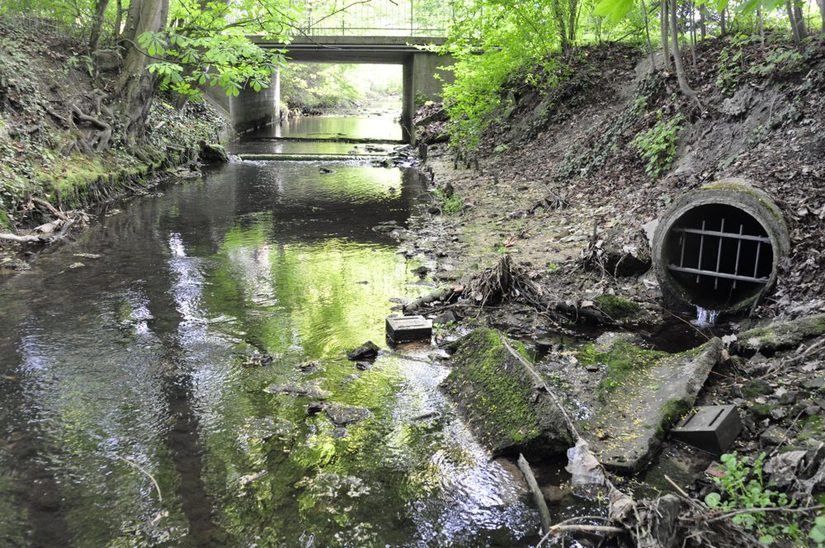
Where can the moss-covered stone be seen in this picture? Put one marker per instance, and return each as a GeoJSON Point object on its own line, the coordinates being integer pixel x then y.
{"type": "Point", "coordinates": [617, 307]}
{"type": "Point", "coordinates": [624, 360]}
{"type": "Point", "coordinates": [756, 387]}
{"type": "Point", "coordinates": [780, 335]}
{"type": "Point", "coordinates": [499, 398]}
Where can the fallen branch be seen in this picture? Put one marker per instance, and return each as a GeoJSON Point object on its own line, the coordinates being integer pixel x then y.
{"type": "Point", "coordinates": [538, 497]}
{"type": "Point", "coordinates": [144, 472]}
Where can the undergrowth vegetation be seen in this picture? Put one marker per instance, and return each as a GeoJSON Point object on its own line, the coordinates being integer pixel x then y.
{"type": "Point", "coordinates": [657, 145]}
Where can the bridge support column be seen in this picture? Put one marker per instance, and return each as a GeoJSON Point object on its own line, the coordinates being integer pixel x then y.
{"type": "Point", "coordinates": [424, 77]}
{"type": "Point", "coordinates": [276, 91]}
{"type": "Point", "coordinates": [408, 101]}
{"type": "Point", "coordinates": [251, 110]}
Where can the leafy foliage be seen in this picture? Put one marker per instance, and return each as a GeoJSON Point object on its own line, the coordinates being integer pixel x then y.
{"type": "Point", "coordinates": [657, 145]}
{"type": "Point", "coordinates": [741, 487]}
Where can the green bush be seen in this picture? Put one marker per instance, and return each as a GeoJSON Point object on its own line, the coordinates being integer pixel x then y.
{"type": "Point", "coordinates": [657, 145]}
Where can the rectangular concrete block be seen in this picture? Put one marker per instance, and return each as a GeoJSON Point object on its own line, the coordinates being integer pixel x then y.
{"type": "Point", "coordinates": [711, 427]}
{"type": "Point", "coordinates": [409, 328]}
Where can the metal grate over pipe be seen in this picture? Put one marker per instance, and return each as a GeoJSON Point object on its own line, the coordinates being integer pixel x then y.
{"type": "Point", "coordinates": [719, 253]}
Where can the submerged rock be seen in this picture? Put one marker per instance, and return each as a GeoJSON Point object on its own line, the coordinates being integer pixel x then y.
{"type": "Point", "coordinates": [311, 390]}
{"type": "Point", "coordinates": [501, 400]}
{"type": "Point", "coordinates": [367, 351]}
{"type": "Point", "coordinates": [342, 415]}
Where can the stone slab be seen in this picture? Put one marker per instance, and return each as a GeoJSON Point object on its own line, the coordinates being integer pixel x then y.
{"type": "Point", "coordinates": [402, 329]}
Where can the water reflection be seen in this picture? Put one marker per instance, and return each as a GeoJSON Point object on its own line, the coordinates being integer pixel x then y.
{"type": "Point", "coordinates": [384, 126]}
{"type": "Point", "coordinates": [147, 364]}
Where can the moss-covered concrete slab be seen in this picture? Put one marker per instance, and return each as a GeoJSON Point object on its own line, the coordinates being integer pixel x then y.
{"type": "Point", "coordinates": [502, 401]}
{"type": "Point", "coordinates": [642, 394]}
{"type": "Point", "coordinates": [781, 335]}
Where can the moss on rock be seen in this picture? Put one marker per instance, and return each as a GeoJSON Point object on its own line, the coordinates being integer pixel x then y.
{"type": "Point", "coordinates": [781, 335]}
{"type": "Point", "coordinates": [617, 307]}
{"type": "Point", "coordinates": [498, 397]}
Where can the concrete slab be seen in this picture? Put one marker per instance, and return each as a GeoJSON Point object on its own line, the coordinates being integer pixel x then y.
{"type": "Point", "coordinates": [628, 426]}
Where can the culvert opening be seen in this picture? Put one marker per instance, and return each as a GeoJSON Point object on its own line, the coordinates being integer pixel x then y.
{"type": "Point", "coordinates": [719, 255]}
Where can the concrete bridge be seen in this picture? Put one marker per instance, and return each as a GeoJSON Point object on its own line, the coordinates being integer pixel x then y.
{"type": "Point", "coordinates": [251, 110]}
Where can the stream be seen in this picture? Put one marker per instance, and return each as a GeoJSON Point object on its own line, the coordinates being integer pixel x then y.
{"type": "Point", "coordinates": [157, 374]}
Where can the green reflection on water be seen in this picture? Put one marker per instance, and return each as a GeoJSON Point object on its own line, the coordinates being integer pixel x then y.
{"type": "Point", "coordinates": [282, 472]}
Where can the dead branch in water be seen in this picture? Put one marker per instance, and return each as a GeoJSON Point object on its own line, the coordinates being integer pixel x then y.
{"type": "Point", "coordinates": [538, 497]}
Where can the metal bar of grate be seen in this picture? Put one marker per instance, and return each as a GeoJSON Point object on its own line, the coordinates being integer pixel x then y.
{"type": "Point", "coordinates": [701, 248]}
{"type": "Point", "coordinates": [719, 255]}
{"type": "Point", "coordinates": [712, 273]}
{"type": "Point", "coordinates": [703, 232]}
{"type": "Point", "coordinates": [738, 253]}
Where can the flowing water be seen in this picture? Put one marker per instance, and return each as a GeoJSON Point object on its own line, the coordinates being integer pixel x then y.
{"type": "Point", "coordinates": [133, 376]}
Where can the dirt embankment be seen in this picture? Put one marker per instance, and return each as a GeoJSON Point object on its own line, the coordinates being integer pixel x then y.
{"type": "Point", "coordinates": [59, 148]}
{"type": "Point", "coordinates": [560, 185]}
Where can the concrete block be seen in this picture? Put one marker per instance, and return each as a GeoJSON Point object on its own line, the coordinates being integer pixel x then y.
{"type": "Point", "coordinates": [711, 427]}
{"type": "Point", "coordinates": [408, 328]}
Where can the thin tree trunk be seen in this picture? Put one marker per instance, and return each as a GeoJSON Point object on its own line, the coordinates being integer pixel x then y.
{"type": "Point", "coordinates": [562, 23]}
{"type": "Point", "coordinates": [800, 19]}
{"type": "Point", "coordinates": [702, 25]}
{"type": "Point", "coordinates": [119, 18]}
{"type": "Point", "coordinates": [97, 23]}
{"type": "Point", "coordinates": [681, 76]}
{"type": "Point", "coordinates": [692, 35]}
{"type": "Point", "coordinates": [663, 27]}
{"type": "Point", "coordinates": [647, 36]}
{"type": "Point", "coordinates": [792, 18]}
{"type": "Point", "coordinates": [136, 85]}
{"type": "Point", "coordinates": [761, 20]}
{"type": "Point", "coordinates": [822, 14]}
{"type": "Point", "coordinates": [723, 22]}
{"type": "Point", "coordinates": [573, 20]}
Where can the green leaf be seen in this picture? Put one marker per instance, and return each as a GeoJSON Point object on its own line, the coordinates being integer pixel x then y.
{"type": "Point", "coordinates": [713, 500]}
{"type": "Point", "coordinates": [613, 10]}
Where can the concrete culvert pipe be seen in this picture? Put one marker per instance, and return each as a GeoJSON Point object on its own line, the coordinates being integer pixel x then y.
{"type": "Point", "coordinates": [719, 247]}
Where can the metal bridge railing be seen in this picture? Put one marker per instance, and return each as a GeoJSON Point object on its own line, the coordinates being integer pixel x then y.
{"type": "Point", "coordinates": [377, 18]}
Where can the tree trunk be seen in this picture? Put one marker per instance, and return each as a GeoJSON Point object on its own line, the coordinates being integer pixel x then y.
{"type": "Point", "coordinates": [800, 19]}
{"type": "Point", "coordinates": [573, 20]}
{"type": "Point", "coordinates": [681, 76]}
{"type": "Point", "coordinates": [136, 85]}
{"type": "Point", "coordinates": [692, 35]}
{"type": "Point", "coordinates": [702, 25]}
{"type": "Point", "coordinates": [119, 18]}
{"type": "Point", "coordinates": [647, 36]}
{"type": "Point", "coordinates": [663, 28]}
{"type": "Point", "coordinates": [97, 23]}
{"type": "Point", "coordinates": [822, 13]}
{"type": "Point", "coordinates": [561, 21]}
{"type": "Point", "coordinates": [723, 22]}
{"type": "Point", "coordinates": [789, 9]}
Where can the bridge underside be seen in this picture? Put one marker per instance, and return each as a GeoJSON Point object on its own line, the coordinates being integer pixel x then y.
{"type": "Point", "coordinates": [251, 110]}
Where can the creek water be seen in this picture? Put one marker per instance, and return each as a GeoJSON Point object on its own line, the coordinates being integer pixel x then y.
{"type": "Point", "coordinates": [133, 408]}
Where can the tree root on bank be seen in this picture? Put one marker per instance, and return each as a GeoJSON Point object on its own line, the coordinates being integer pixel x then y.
{"type": "Point", "coordinates": [50, 231]}
{"type": "Point", "coordinates": [505, 281]}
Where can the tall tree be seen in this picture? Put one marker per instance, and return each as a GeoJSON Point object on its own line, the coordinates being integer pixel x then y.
{"type": "Point", "coordinates": [136, 85]}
